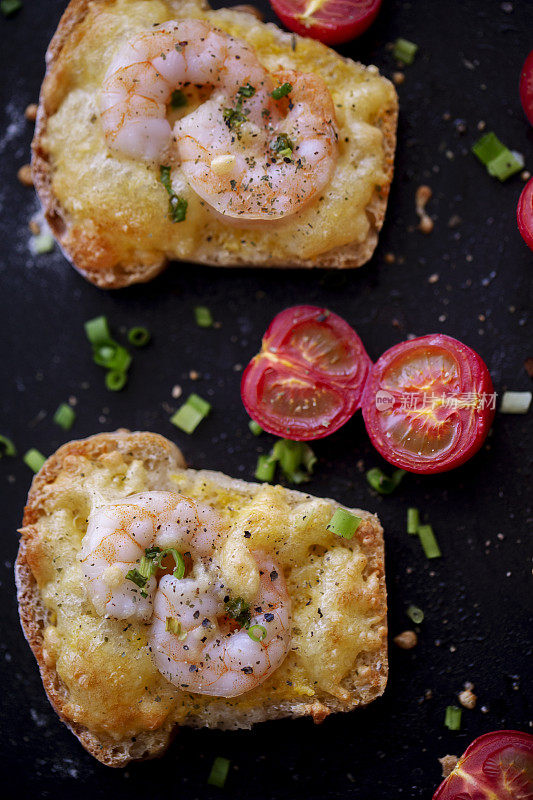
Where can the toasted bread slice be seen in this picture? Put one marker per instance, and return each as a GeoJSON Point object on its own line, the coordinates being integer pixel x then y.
{"type": "Point", "coordinates": [110, 214]}
{"type": "Point", "coordinates": [98, 673]}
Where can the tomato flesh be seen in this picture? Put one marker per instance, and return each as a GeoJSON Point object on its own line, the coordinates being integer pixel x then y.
{"type": "Point", "coordinates": [309, 377]}
{"type": "Point", "coordinates": [497, 765]}
{"type": "Point", "coordinates": [524, 213]}
{"type": "Point", "coordinates": [330, 21]}
{"type": "Point", "coordinates": [526, 87]}
{"type": "Point", "coordinates": [428, 404]}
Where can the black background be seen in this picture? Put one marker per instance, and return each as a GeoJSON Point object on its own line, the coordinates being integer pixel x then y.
{"type": "Point", "coordinates": [475, 598]}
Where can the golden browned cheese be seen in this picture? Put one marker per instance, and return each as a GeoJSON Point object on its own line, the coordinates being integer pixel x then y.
{"type": "Point", "coordinates": [120, 203]}
{"type": "Point", "coordinates": [112, 685]}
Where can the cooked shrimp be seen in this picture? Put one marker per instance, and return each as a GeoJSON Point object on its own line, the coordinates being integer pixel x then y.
{"type": "Point", "coordinates": [197, 649]}
{"type": "Point", "coordinates": [250, 157]}
{"type": "Point", "coordinates": [118, 536]}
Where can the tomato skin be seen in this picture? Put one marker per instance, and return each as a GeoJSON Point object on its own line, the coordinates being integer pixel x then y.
{"type": "Point", "coordinates": [309, 377]}
{"type": "Point", "coordinates": [412, 436]}
{"type": "Point", "coordinates": [335, 22]}
{"type": "Point", "coordinates": [526, 87]}
{"type": "Point", "coordinates": [524, 213]}
{"type": "Point", "coordinates": [496, 765]}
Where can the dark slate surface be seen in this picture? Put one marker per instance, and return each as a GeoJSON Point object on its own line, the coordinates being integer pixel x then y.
{"type": "Point", "coordinates": [475, 599]}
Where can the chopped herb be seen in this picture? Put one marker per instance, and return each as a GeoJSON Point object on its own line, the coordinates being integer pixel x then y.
{"type": "Point", "coordinates": [203, 317]}
{"type": "Point", "coordinates": [239, 610]}
{"type": "Point", "coordinates": [257, 633]}
{"type": "Point", "coordinates": [255, 428]}
{"type": "Point", "coordinates": [381, 482]}
{"type": "Point", "coordinates": [139, 336]}
{"type": "Point", "coordinates": [173, 625]}
{"type": "Point", "coordinates": [282, 146]}
{"type": "Point", "coordinates": [191, 413]}
{"type": "Point", "coordinates": [452, 718]}
{"type": "Point", "coordinates": [282, 91]}
{"type": "Point", "coordinates": [428, 541]}
{"type": "Point", "coordinates": [178, 99]}
{"type": "Point", "coordinates": [34, 459]}
{"type": "Point", "coordinates": [233, 117]}
{"type": "Point", "coordinates": [219, 772]}
{"type": "Point", "coordinates": [246, 91]}
{"type": "Point", "coordinates": [10, 7]}
{"type": "Point", "coordinates": [177, 206]}
{"type": "Point", "coordinates": [515, 402]}
{"type": "Point", "coordinates": [136, 577]}
{"type": "Point", "coordinates": [415, 614]}
{"type": "Point", "coordinates": [65, 416]}
{"type": "Point", "coordinates": [413, 520]}
{"type": "Point", "coordinates": [344, 523]}
{"type": "Point", "coordinates": [7, 448]}
{"type": "Point", "coordinates": [404, 51]}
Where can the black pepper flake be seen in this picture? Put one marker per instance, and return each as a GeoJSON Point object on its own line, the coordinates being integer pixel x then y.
{"type": "Point", "coordinates": [247, 670]}
{"type": "Point", "coordinates": [273, 575]}
{"type": "Point", "coordinates": [269, 617]}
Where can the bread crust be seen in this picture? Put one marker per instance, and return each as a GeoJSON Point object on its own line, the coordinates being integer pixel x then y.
{"type": "Point", "coordinates": [88, 250]}
{"type": "Point", "coordinates": [33, 615]}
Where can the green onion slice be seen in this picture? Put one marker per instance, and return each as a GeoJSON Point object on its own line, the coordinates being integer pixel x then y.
{"type": "Point", "coordinates": [115, 380]}
{"type": "Point", "coordinates": [415, 614]}
{"type": "Point", "coordinates": [7, 448]}
{"type": "Point", "coordinates": [139, 336]}
{"type": "Point", "coordinates": [265, 469]}
{"type": "Point", "coordinates": [344, 523]}
{"type": "Point", "coordinates": [97, 331]}
{"type": "Point", "coordinates": [500, 162]}
{"type": "Point", "coordinates": [405, 51]}
{"type": "Point", "coordinates": [34, 459]}
{"type": "Point", "coordinates": [381, 482]}
{"type": "Point", "coordinates": [255, 427]}
{"type": "Point", "coordinates": [452, 718]}
{"type": "Point", "coordinates": [413, 520]}
{"type": "Point", "coordinates": [296, 460]}
{"type": "Point", "coordinates": [65, 416]}
{"type": "Point", "coordinates": [10, 7]}
{"type": "Point", "coordinates": [203, 317]}
{"type": "Point", "coordinates": [281, 91]}
{"type": "Point", "coordinates": [428, 541]}
{"type": "Point", "coordinates": [219, 772]}
{"type": "Point", "coordinates": [257, 633]}
{"type": "Point", "coordinates": [515, 402]}
{"type": "Point", "coordinates": [487, 148]}
{"type": "Point", "coordinates": [192, 412]}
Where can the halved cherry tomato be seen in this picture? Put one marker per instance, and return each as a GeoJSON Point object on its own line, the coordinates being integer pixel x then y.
{"type": "Point", "coordinates": [330, 21]}
{"type": "Point", "coordinates": [526, 87]}
{"type": "Point", "coordinates": [496, 766]}
{"type": "Point", "coordinates": [309, 377]}
{"type": "Point", "coordinates": [524, 214]}
{"type": "Point", "coordinates": [428, 404]}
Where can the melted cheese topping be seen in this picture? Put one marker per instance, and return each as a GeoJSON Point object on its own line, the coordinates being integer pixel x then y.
{"type": "Point", "coordinates": [119, 203]}
{"type": "Point", "coordinates": [112, 684]}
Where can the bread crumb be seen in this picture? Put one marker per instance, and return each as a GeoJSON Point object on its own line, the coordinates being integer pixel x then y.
{"type": "Point", "coordinates": [24, 175]}
{"type": "Point", "coordinates": [249, 10]}
{"type": "Point", "coordinates": [528, 366]}
{"type": "Point", "coordinates": [398, 78]}
{"type": "Point", "coordinates": [194, 375]}
{"type": "Point", "coordinates": [448, 764]}
{"type": "Point", "coordinates": [34, 227]}
{"type": "Point", "coordinates": [467, 698]}
{"type": "Point", "coordinates": [406, 640]}
{"type": "Point", "coordinates": [433, 278]}
{"type": "Point", "coordinates": [177, 391]}
{"type": "Point", "coordinates": [525, 175]}
{"type": "Point", "coordinates": [31, 112]}
{"type": "Point", "coordinates": [422, 197]}
{"type": "Point", "coordinates": [390, 258]}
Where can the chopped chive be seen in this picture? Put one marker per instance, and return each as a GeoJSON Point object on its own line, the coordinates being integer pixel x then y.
{"type": "Point", "coordinates": [10, 7]}
{"type": "Point", "coordinates": [34, 459]}
{"type": "Point", "coordinates": [265, 469]}
{"type": "Point", "coordinates": [255, 427]}
{"type": "Point", "coordinates": [281, 91]}
{"type": "Point", "coordinates": [257, 633]}
{"type": "Point", "coordinates": [343, 523]}
{"type": "Point", "coordinates": [413, 520]}
{"type": "Point", "coordinates": [179, 570]}
{"type": "Point", "coordinates": [246, 91]}
{"type": "Point", "coordinates": [115, 380]}
{"type": "Point", "coordinates": [515, 402]}
{"type": "Point", "coordinates": [506, 164]}
{"type": "Point", "coordinates": [238, 609]}
{"type": "Point", "coordinates": [452, 718]}
{"type": "Point", "coordinates": [42, 243]}
{"type": "Point", "coordinates": [136, 577]}
{"type": "Point", "coordinates": [178, 99]}
{"type": "Point", "coordinates": [219, 772]}
{"type": "Point", "coordinates": [192, 412]}
{"type": "Point", "coordinates": [65, 416]}
{"type": "Point", "coordinates": [415, 614]}
{"type": "Point", "coordinates": [97, 332]}
{"type": "Point", "coordinates": [404, 51]}
{"type": "Point", "coordinates": [203, 317]}
{"type": "Point", "coordinates": [381, 482]}
{"type": "Point", "coordinates": [139, 336]}
{"type": "Point", "coordinates": [177, 206]}
{"type": "Point", "coordinates": [7, 448]}
{"type": "Point", "coordinates": [429, 542]}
